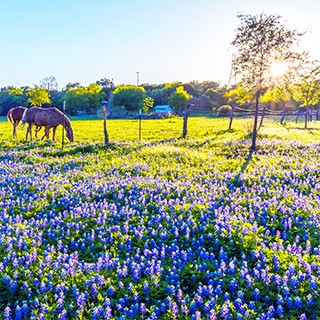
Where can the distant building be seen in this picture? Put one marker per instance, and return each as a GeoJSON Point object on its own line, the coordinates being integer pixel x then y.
{"type": "Point", "coordinates": [165, 109]}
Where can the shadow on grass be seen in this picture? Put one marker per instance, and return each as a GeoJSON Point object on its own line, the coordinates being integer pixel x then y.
{"type": "Point", "coordinates": [53, 149]}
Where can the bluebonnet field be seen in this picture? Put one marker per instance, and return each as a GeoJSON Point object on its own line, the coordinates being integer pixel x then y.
{"type": "Point", "coordinates": [168, 230]}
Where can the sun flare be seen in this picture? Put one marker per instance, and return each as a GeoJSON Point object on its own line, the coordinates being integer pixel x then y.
{"type": "Point", "coordinates": [278, 68]}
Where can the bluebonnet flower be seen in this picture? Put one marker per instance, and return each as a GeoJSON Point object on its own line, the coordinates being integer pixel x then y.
{"type": "Point", "coordinates": [233, 285]}
{"type": "Point", "coordinates": [297, 303]}
{"type": "Point", "coordinates": [280, 310]}
{"type": "Point", "coordinates": [7, 313]}
{"type": "Point", "coordinates": [225, 311]}
{"type": "Point", "coordinates": [18, 315]}
{"type": "Point", "coordinates": [143, 309]}
{"type": "Point", "coordinates": [256, 294]}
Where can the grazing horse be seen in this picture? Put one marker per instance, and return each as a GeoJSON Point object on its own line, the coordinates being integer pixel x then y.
{"type": "Point", "coordinates": [48, 118]}
{"type": "Point", "coordinates": [14, 116]}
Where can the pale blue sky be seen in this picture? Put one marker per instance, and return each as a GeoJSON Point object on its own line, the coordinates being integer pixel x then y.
{"type": "Point", "coordinates": [164, 40]}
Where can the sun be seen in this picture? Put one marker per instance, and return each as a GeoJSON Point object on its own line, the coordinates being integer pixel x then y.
{"type": "Point", "coordinates": [278, 68]}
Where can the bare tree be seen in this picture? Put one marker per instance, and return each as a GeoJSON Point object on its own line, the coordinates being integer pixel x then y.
{"type": "Point", "coordinates": [49, 83]}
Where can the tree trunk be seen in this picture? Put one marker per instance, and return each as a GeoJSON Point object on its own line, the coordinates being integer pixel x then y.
{"type": "Point", "coordinates": [185, 121]}
{"type": "Point", "coordinates": [106, 137]}
{"type": "Point", "coordinates": [255, 124]}
{"type": "Point", "coordinates": [262, 117]}
{"type": "Point", "coordinates": [283, 114]}
{"type": "Point", "coordinates": [306, 118]}
{"type": "Point", "coordinates": [231, 117]}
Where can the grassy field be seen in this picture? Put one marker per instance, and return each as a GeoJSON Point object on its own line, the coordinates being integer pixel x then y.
{"type": "Point", "coordinates": [162, 228]}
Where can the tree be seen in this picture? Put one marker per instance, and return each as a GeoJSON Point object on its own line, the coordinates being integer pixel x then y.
{"type": "Point", "coordinates": [12, 97]}
{"type": "Point", "coordinates": [85, 99]}
{"type": "Point", "coordinates": [178, 99]}
{"type": "Point", "coordinates": [49, 83]}
{"type": "Point", "coordinates": [307, 88]}
{"type": "Point", "coordinates": [129, 96]}
{"type": "Point", "coordinates": [147, 104]}
{"type": "Point", "coordinates": [38, 96]}
{"type": "Point", "coordinates": [159, 95]}
{"type": "Point", "coordinates": [260, 41]}
{"type": "Point", "coordinates": [107, 86]}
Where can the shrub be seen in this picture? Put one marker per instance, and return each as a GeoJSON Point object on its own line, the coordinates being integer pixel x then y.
{"type": "Point", "coordinates": [224, 110]}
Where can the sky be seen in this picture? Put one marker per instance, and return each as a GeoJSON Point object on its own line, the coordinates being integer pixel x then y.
{"type": "Point", "coordinates": [133, 41]}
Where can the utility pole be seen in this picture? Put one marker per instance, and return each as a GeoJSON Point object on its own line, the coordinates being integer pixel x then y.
{"type": "Point", "coordinates": [137, 78]}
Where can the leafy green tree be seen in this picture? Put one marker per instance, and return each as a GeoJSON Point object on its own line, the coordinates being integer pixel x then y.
{"type": "Point", "coordinates": [107, 86]}
{"type": "Point", "coordinates": [129, 96]}
{"type": "Point", "coordinates": [84, 99]}
{"type": "Point", "coordinates": [307, 88]}
{"type": "Point", "coordinates": [160, 95]}
{"type": "Point", "coordinates": [239, 95]}
{"type": "Point", "coordinates": [147, 104]}
{"type": "Point", "coordinates": [11, 97]}
{"type": "Point", "coordinates": [178, 99]}
{"type": "Point", "coordinates": [38, 96]}
{"type": "Point", "coordinates": [260, 40]}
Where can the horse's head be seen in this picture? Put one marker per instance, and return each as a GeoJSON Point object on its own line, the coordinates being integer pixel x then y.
{"type": "Point", "coordinates": [69, 133]}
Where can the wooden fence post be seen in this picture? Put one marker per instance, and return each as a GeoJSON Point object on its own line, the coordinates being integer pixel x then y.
{"type": "Point", "coordinates": [185, 121]}
{"type": "Point", "coordinates": [231, 117]}
{"type": "Point", "coordinates": [298, 113]}
{"type": "Point", "coordinates": [283, 114]}
{"type": "Point", "coordinates": [104, 109]}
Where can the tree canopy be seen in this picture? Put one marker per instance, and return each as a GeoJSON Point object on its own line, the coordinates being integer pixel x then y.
{"type": "Point", "coordinates": [38, 96]}
{"type": "Point", "coordinates": [178, 99]}
{"type": "Point", "coordinates": [260, 41]}
{"type": "Point", "coordinates": [129, 96]}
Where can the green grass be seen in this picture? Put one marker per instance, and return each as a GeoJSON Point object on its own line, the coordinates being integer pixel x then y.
{"type": "Point", "coordinates": [203, 128]}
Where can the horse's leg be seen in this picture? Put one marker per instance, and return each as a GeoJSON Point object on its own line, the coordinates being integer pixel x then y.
{"type": "Point", "coordinates": [54, 133]}
{"type": "Point", "coordinates": [48, 135]}
{"type": "Point", "coordinates": [38, 128]}
{"type": "Point", "coordinates": [46, 132]}
{"type": "Point", "coordinates": [29, 131]}
{"type": "Point", "coordinates": [14, 134]}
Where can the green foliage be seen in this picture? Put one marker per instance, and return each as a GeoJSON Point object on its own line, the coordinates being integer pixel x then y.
{"type": "Point", "coordinates": [160, 95]}
{"type": "Point", "coordinates": [147, 104]}
{"type": "Point", "coordinates": [129, 96]}
{"type": "Point", "coordinates": [38, 96]}
{"type": "Point", "coordinates": [178, 99]}
{"type": "Point", "coordinates": [10, 98]}
{"type": "Point", "coordinates": [307, 89]}
{"type": "Point", "coordinates": [85, 99]}
{"type": "Point", "coordinates": [239, 95]}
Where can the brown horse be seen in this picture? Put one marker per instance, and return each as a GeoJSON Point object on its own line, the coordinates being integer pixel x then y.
{"type": "Point", "coordinates": [14, 116]}
{"type": "Point", "coordinates": [48, 118]}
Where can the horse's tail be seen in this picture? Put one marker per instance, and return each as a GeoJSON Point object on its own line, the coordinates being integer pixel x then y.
{"type": "Point", "coordinates": [23, 119]}
{"type": "Point", "coordinates": [9, 116]}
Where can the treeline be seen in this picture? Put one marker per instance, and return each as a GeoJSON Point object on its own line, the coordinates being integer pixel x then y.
{"type": "Point", "coordinates": [206, 95]}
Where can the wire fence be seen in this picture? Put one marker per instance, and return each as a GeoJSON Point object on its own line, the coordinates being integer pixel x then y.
{"type": "Point", "coordinates": [240, 112]}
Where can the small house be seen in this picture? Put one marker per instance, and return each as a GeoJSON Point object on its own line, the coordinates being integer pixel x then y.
{"type": "Point", "coordinates": [165, 109]}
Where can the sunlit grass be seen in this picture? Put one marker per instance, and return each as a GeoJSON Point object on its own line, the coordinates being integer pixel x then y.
{"type": "Point", "coordinates": [210, 129]}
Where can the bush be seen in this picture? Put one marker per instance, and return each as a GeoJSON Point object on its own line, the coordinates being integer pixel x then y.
{"type": "Point", "coordinates": [224, 110]}
{"type": "Point", "coordinates": [118, 112]}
